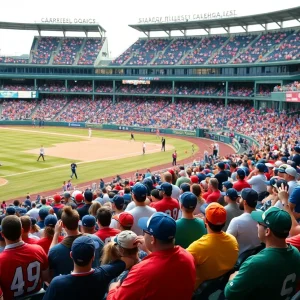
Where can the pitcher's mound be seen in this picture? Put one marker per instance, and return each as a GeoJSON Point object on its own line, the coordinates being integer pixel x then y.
{"type": "Point", "coordinates": [3, 181]}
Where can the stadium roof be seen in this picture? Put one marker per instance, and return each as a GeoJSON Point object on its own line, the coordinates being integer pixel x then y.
{"type": "Point", "coordinates": [244, 21]}
{"type": "Point", "coordinates": [53, 27]}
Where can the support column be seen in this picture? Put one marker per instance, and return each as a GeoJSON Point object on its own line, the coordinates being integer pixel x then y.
{"type": "Point", "coordinates": [280, 106]}
{"type": "Point", "coordinates": [173, 87]}
{"type": "Point", "coordinates": [66, 84]}
{"type": "Point", "coordinates": [114, 91]}
{"type": "Point", "coordinates": [35, 85]}
{"type": "Point", "coordinates": [255, 104]}
{"type": "Point", "coordinates": [226, 93]}
{"type": "Point", "coordinates": [93, 84]}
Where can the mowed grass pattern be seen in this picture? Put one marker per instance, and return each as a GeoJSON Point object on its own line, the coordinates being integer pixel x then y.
{"type": "Point", "coordinates": [49, 175]}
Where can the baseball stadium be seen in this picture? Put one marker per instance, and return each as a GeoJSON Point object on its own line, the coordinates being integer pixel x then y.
{"type": "Point", "coordinates": [138, 169]}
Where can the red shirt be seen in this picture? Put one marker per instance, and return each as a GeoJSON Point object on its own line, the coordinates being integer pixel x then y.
{"type": "Point", "coordinates": [46, 242]}
{"type": "Point", "coordinates": [158, 277]}
{"type": "Point", "coordinates": [106, 233]}
{"type": "Point", "coordinates": [167, 205]}
{"type": "Point", "coordinates": [211, 196]}
{"type": "Point", "coordinates": [29, 240]}
{"type": "Point", "coordinates": [241, 184]}
{"type": "Point", "coordinates": [294, 241]}
{"type": "Point", "coordinates": [21, 266]}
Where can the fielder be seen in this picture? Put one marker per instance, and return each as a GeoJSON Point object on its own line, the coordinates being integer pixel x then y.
{"type": "Point", "coordinates": [90, 132]}
{"type": "Point", "coordinates": [42, 153]}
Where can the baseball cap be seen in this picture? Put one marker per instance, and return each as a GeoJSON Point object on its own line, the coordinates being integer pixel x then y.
{"type": "Point", "coordinates": [282, 168]}
{"type": "Point", "coordinates": [261, 167]}
{"type": "Point", "coordinates": [79, 198]}
{"type": "Point", "coordinates": [276, 219]}
{"type": "Point", "coordinates": [126, 239]}
{"type": "Point", "coordinates": [297, 149]}
{"type": "Point", "coordinates": [194, 179]}
{"type": "Point", "coordinates": [22, 211]}
{"type": "Point", "coordinates": [139, 190]}
{"type": "Point", "coordinates": [83, 249]}
{"type": "Point", "coordinates": [166, 187]}
{"type": "Point", "coordinates": [291, 171]}
{"type": "Point", "coordinates": [250, 196]}
{"type": "Point", "coordinates": [67, 195]}
{"type": "Point", "coordinates": [221, 165]}
{"type": "Point", "coordinates": [241, 173]}
{"type": "Point", "coordinates": [232, 194]}
{"type": "Point", "coordinates": [284, 159]}
{"type": "Point", "coordinates": [188, 200]}
{"type": "Point", "coordinates": [215, 213]}
{"type": "Point", "coordinates": [50, 220]}
{"type": "Point", "coordinates": [295, 195]}
{"type": "Point", "coordinates": [160, 225]}
{"type": "Point", "coordinates": [185, 187]}
{"type": "Point", "coordinates": [270, 165]}
{"type": "Point", "coordinates": [272, 181]}
{"type": "Point", "coordinates": [171, 172]}
{"type": "Point", "coordinates": [88, 196]}
{"type": "Point", "coordinates": [33, 221]}
{"type": "Point", "coordinates": [182, 173]}
{"type": "Point", "coordinates": [43, 213]}
{"type": "Point", "coordinates": [88, 221]}
{"type": "Point", "coordinates": [125, 219]}
{"type": "Point", "coordinates": [10, 210]}
{"type": "Point", "coordinates": [57, 198]}
{"type": "Point", "coordinates": [227, 184]}
{"type": "Point", "coordinates": [118, 200]}
{"type": "Point", "coordinates": [278, 163]}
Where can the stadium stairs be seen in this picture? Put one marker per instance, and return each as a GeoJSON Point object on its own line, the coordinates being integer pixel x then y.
{"type": "Point", "coordinates": [61, 111]}
{"type": "Point", "coordinates": [245, 49]}
{"type": "Point", "coordinates": [33, 48]}
{"type": "Point", "coordinates": [34, 110]}
{"type": "Point", "coordinates": [189, 52]}
{"type": "Point", "coordinates": [161, 52]}
{"type": "Point", "coordinates": [100, 54]}
{"type": "Point", "coordinates": [217, 51]}
{"type": "Point", "coordinates": [79, 53]}
{"type": "Point", "coordinates": [55, 52]}
{"type": "Point", "coordinates": [1, 108]}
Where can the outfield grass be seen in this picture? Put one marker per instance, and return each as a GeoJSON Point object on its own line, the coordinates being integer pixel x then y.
{"type": "Point", "coordinates": [15, 161]}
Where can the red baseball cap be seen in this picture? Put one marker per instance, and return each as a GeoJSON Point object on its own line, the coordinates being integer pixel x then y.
{"type": "Point", "coordinates": [215, 213]}
{"type": "Point", "coordinates": [194, 179]}
{"type": "Point", "coordinates": [79, 198]}
{"type": "Point", "coordinates": [57, 198]}
{"type": "Point", "coordinates": [171, 171]}
{"type": "Point", "coordinates": [125, 219]}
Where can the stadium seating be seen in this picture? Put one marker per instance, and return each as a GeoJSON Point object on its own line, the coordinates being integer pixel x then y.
{"type": "Point", "coordinates": [90, 51]}
{"type": "Point", "coordinates": [240, 91]}
{"type": "Point", "coordinates": [148, 51]}
{"type": "Point", "coordinates": [17, 87]}
{"type": "Point", "coordinates": [17, 109]}
{"type": "Point", "coordinates": [175, 51]}
{"type": "Point", "coordinates": [69, 49]}
{"type": "Point", "coordinates": [53, 87]}
{"type": "Point", "coordinates": [82, 87]}
{"type": "Point", "coordinates": [104, 88]}
{"type": "Point", "coordinates": [230, 50]}
{"type": "Point", "coordinates": [45, 47]}
{"type": "Point", "coordinates": [13, 60]}
{"type": "Point", "coordinates": [204, 50]}
{"type": "Point", "coordinates": [49, 107]}
{"type": "Point", "coordinates": [294, 86]}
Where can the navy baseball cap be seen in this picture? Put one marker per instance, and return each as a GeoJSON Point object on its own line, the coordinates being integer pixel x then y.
{"type": "Point", "coordinates": [261, 167]}
{"type": "Point", "coordinates": [166, 187]}
{"type": "Point", "coordinates": [272, 181]}
{"type": "Point", "coordinates": [22, 211]}
{"type": "Point", "coordinates": [284, 159]}
{"type": "Point", "coordinates": [185, 187]}
{"type": "Point", "coordinates": [88, 221]}
{"type": "Point", "coordinates": [297, 149]}
{"type": "Point", "coordinates": [241, 173]}
{"type": "Point", "coordinates": [227, 184]}
{"type": "Point", "coordinates": [221, 165]}
{"type": "Point", "coordinates": [10, 210]}
{"type": "Point", "coordinates": [139, 190]}
{"type": "Point", "coordinates": [159, 225]}
{"type": "Point", "coordinates": [43, 213]}
{"type": "Point", "coordinates": [118, 200]}
{"type": "Point", "coordinates": [88, 196]}
{"type": "Point", "coordinates": [33, 221]}
{"type": "Point", "coordinates": [83, 250]}
{"type": "Point", "coordinates": [67, 195]}
{"type": "Point", "coordinates": [232, 194]}
{"type": "Point", "coordinates": [50, 220]}
{"type": "Point", "coordinates": [250, 196]}
{"type": "Point", "coordinates": [1, 237]}
{"type": "Point", "coordinates": [188, 200]}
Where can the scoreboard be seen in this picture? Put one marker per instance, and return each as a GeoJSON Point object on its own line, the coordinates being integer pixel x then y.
{"type": "Point", "coordinates": [19, 94]}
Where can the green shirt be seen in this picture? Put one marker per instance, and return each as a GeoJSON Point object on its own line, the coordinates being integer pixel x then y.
{"type": "Point", "coordinates": [271, 274]}
{"type": "Point", "coordinates": [182, 180]}
{"type": "Point", "coordinates": [188, 231]}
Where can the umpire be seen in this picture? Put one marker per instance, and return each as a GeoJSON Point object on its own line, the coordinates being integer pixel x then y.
{"type": "Point", "coordinates": [42, 153]}
{"type": "Point", "coordinates": [163, 144]}
{"type": "Point", "coordinates": [73, 170]}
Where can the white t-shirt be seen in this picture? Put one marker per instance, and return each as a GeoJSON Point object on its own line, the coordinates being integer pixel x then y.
{"type": "Point", "coordinates": [130, 206]}
{"type": "Point", "coordinates": [257, 183]}
{"type": "Point", "coordinates": [140, 212]}
{"type": "Point", "coordinates": [292, 184]}
{"type": "Point", "coordinates": [245, 230]}
{"type": "Point", "coordinates": [175, 192]}
{"type": "Point", "coordinates": [33, 213]}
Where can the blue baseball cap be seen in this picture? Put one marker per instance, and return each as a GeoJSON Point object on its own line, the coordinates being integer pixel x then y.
{"type": "Point", "coordinates": [139, 190]}
{"type": "Point", "coordinates": [10, 210]}
{"type": "Point", "coordinates": [261, 167]}
{"type": "Point", "coordinates": [159, 225]}
{"type": "Point", "coordinates": [50, 220]}
{"type": "Point", "coordinates": [284, 159]}
{"type": "Point", "coordinates": [83, 250]}
{"type": "Point", "coordinates": [43, 213]}
{"type": "Point", "coordinates": [297, 149]}
{"type": "Point", "coordinates": [118, 200]}
{"type": "Point", "coordinates": [241, 173]}
{"type": "Point", "coordinates": [232, 194]}
{"type": "Point", "coordinates": [250, 196]}
{"type": "Point", "coordinates": [33, 221]}
{"type": "Point", "coordinates": [272, 181]}
{"type": "Point", "coordinates": [188, 200]}
{"type": "Point", "coordinates": [295, 195]}
{"type": "Point", "coordinates": [227, 184]}
{"type": "Point", "coordinates": [88, 221]}
{"type": "Point", "coordinates": [185, 187]}
{"type": "Point", "coordinates": [221, 165]}
{"type": "Point", "coordinates": [166, 187]}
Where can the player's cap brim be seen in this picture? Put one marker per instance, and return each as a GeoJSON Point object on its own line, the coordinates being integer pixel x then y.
{"type": "Point", "coordinates": [142, 223]}
{"type": "Point", "coordinates": [257, 216]}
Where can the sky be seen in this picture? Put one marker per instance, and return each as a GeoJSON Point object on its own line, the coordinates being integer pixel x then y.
{"type": "Point", "coordinates": [115, 16]}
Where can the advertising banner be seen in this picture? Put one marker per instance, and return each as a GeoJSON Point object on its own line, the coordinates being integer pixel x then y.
{"type": "Point", "coordinates": [292, 97]}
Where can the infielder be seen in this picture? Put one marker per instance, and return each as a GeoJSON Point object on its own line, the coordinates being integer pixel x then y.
{"type": "Point", "coordinates": [73, 170]}
{"type": "Point", "coordinates": [42, 153]}
{"type": "Point", "coordinates": [90, 132]}
{"type": "Point", "coordinates": [144, 148]}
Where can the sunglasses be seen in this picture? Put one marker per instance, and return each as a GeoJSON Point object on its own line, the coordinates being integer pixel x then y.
{"type": "Point", "coordinates": [263, 225]}
{"type": "Point", "coordinates": [146, 231]}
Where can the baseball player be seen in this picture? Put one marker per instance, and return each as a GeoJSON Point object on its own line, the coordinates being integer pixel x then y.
{"type": "Point", "coordinates": [90, 132]}
{"type": "Point", "coordinates": [157, 133]}
{"type": "Point", "coordinates": [144, 148]}
{"type": "Point", "coordinates": [42, 153]}
{"type": "Point", "coordinates": [174, 156]}
{"type": "Point", "coordinates": [73, 170]}
{"type": "Point", "coordinates": [132, 136]}
{"type": "Point", "coordinates": [163, 144]}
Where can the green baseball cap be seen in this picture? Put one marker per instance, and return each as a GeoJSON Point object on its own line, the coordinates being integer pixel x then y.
{"type": "Point", "coordinates": [276, 219]}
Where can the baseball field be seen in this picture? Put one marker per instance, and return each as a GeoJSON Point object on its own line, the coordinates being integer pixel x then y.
{"type": "Point", "coordinates": [105, 154]}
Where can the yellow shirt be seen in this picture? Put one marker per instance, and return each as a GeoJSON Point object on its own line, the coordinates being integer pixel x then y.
{"type": "Point", "coordinates": [214, 255]}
